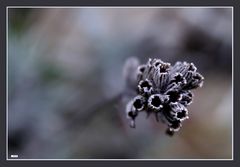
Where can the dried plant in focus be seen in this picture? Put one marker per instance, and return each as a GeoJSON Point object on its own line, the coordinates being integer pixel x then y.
{"type": "Point", "coordinates": [162, 90]}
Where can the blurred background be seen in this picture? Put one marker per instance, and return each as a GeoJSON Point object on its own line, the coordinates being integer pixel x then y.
{"type": "Point", "coordinates": [65, 79]}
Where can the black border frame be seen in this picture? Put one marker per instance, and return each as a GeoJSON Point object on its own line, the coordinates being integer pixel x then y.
{"type": "Point", "coordinates": [236, 40]}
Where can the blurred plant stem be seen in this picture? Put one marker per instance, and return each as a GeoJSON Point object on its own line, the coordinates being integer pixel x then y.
{"type": "Point", "coordinates": [81, 119]}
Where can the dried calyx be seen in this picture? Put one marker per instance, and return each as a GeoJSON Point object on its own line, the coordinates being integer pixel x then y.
{"type": "Point", "coordinates": [164, 90]}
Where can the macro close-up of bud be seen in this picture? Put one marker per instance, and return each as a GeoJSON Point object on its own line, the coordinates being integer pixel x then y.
{"type": "Point", "coordinates": [165, 91]}
{"type": "Point", "coordinates": [119, 82]}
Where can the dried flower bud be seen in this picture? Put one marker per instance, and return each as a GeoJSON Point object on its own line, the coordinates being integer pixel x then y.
{"type": "Point", "coordinates": [164, 90]}
{"type": "Point", "coordinates": [174, 95]}
{"type": "Point", "coordinates": [179, 111]}
{"type": "Point", "coordinates": [138, 103]}
{"type": "Point", "coordinates": [155, 102]}
{"type": "Point", "coordinates": [145, 87]}
{"type": "Point", "coordinates": [187, 97]}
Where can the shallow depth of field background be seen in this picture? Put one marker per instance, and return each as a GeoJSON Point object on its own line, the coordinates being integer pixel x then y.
{"type": "Point", "coordinates": [65, 74]}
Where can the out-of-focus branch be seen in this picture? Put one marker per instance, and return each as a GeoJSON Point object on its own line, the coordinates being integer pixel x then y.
{"type": "Point", "coordinates": [82, 118]}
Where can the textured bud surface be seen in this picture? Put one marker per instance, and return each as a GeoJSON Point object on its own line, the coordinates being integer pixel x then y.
{"type": "Point", "coordinates": [164, 90]}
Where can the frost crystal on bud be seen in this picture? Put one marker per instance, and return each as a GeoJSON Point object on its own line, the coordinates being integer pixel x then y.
{"type": "Point", "coordinates": [164, 90]}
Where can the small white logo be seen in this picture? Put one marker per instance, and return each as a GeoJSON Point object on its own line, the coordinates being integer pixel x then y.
{"type": "Point", "coordinates": [14, 156]}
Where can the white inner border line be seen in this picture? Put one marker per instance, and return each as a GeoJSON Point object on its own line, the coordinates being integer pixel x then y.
{"type": "Point", "coordinates": [8, 7]}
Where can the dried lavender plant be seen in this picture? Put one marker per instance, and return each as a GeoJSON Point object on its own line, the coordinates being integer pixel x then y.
{"type": "Point", "coordinates": [162, 90]}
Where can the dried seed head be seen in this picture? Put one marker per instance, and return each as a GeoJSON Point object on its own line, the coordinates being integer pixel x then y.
{"type": "Point", "coordinates": [192, 67]}
{"type": "Point", "coordinates": [179, 79]}
{"type": "Point", "coordinates": [179, 111]}
{"type": "Point", "coordinates": [138, 103]}
{"type": "Point", "coordinates": [182, 114]}
{"type": "Point", "coordinates": [157, 63]}
{"type": "Point", "coordinates": [174, 95]}
{"type": "Point", "coordinates": [155, 102]}
{"type": "Point", "coordinates": [164, 90]}
{"type": "Point", "coordinates": [145, 87]}
{"type": "Point", "coordinates": [164, 67]}
{"type": "Point", "coordinates": [175, 126]}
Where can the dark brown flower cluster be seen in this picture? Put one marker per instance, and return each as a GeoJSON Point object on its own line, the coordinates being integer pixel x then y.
{"type": "Point", "coordinates": [164, 90]}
